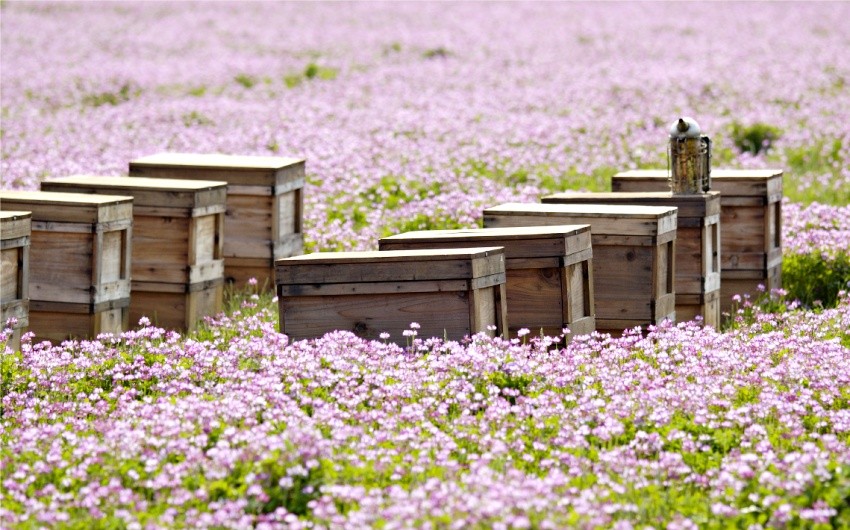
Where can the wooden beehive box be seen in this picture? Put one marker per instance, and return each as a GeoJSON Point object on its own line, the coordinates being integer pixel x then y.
{"type": "Point", "coordinates": [178, 266]}
{"type": "Point", "coordinates": [633, 256]}
{"type": "Point", "coordinates": [264, 205]}
{"type": "Point", "coordinates": [549, 271]}
{"type": "Point", "coordinates": [79, 262]}
{"type": "Point", "coordinates": [697, 245]}
{"type": "Point", "coordinates": [751, 215]}
{"type": "Point", "coordinates": [451, 293]}
{"type": "Point", "coordinates": [15, 228]}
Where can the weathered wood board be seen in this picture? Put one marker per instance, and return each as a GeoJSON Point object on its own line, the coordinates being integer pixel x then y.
{"type": "Point", "coordinates": [451, 293]}
{"type": "Point", "coordinates": [549, 272]}
{"type": "Point", "coordinates": [633, 256]}
{"type": "Point", "coordinates": [264, 214]}
{"type": "Point", "coordinates": [80, 254]}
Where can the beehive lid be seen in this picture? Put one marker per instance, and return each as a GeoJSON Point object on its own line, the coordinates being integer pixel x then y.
{"type": "Point", "coordinates": [235, 169]}
{"type": "Point", "coordinates": [69, 207]}
{"type": "Point", "coordinates": [390, 266]}
{"type": "Point", "coordinates": [729, 182]}
{"type": "Point", "coordinates": [14, 224]}
{"type": "Point", "coordinates": [604, 219]}
{"type": "Point", "coordinates": [519, 242]}
{"type": "Point", "coordinates": [169, 193]}
{"type": "Point", "coordinates": [689, 205]}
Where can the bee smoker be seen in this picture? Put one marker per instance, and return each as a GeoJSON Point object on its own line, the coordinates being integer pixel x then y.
{"type": "Point", "coordinates": [689, 158]}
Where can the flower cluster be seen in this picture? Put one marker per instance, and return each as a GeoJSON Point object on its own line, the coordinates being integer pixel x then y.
{"type": "Point", "coordinates": [407, 124]}
{"type": "Point", "coordinates": [240, 428]}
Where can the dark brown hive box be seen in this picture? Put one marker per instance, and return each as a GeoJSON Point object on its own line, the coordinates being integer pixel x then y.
{"type": "Point", "coordinates": [549, 271]}
{"type": "Point", "coordinates": [451, 293]}
{"type": "Point", "coordinates": [633, 256]}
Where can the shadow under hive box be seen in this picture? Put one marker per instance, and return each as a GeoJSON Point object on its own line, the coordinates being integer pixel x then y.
{"type": "Point", "coordinates": [263, 222]}
{"type": "Point", "coordinates": [451, 293]}
{"type": "Point", "coordinates": [178, 266]}
{"type": "Point", "coordinates": [15, 229]}
{"type": "Point", "coordinates": [751, 215]}
{"type": "Point", "coordinates": [697, 281]}
{"type": "Point", "coordinates": [79, 262]}
{"type": "Point", "coordinates": [549, 272]}
{"type": "Point", "coordinates": [633, 256]}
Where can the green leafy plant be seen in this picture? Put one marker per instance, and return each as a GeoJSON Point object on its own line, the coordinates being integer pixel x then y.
{"type": "Point", "coordinates": [756, 138]}
{"type": "Point", "coordinates": [811, 279]}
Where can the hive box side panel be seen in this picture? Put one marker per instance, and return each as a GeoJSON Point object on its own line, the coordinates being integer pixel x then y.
{"type": "Point", "coordinates": [248, 227]}
{"type": "Point", "coordinates": [240, 270]}
{"type": "Point", "coordinates": [367, 316]}
{"type": "Point", "coordinates": [57, 326]}
{"type": "Point", "coordinates": [61, 267]}
{"type": "Point", "coordinates": [177, 311]}
{"type": "Point", "coordinates": [160, 249]}
{"type": "Point", "coordinates": [623, 282]}
{"type": "Point", "coordinates": [535, 299]}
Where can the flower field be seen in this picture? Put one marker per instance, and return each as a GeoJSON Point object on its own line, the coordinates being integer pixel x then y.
{"type": "Point", "coordinates": [414, 116]}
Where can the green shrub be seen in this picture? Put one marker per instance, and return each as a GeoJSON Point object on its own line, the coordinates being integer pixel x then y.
{"type": "Point", "coordinates": [811, 278]}
{"type": "Point", "coordinates": [755, 138]}
{"type": "Point", "coordinates": [245, 80]}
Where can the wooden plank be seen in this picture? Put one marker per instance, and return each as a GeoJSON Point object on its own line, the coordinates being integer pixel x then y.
{"type": "Point", "coordinates": [729, 182]}
{"type": "Point", "coordinates": [403, 265]}
{"type": "Point", "coordinates": [163, 287]}
{"type": "Point", "coordinates": [147, 192]}
{"type": "Point", "coordinates": [205, 272]}
{"type": "Point", "coordinates": [113, 256]}
{"type": "Point", "coordinates": [14, 224]}
{"type": "Point", "coordinates": [234, 169]}
{"type": "Point", "coordinates": [61, 267]}
{"type": "Point", "coordinates": [577, 257]}
{"type": "Point", "coordinates": [57, 325]}
{"type": "Point", "coordinates": [690, 206]}
{"type": "Point", "coordinates": [178, 311]}
{"type": "Point", "coordinates": [582, 326]}
{"type": "Point", "coordinates": [338, 289]}
{"type": "Point", "coordinates": [68, 207]}
{"type": "Point", "coordinates": [239, 275]}
{"type": "Point", "coordinates": [482, 310]}
{"type": "Point", "coordinates": [17, 309]}
{"type": "Point", "coordinates": [248, 225]}
{"type": "Point", "coordinates": [604, 219]}
{"type": "Point", "coordinates": [535, 299]}
{"type": "Point", "coordinates": [575, 304]}
{"type": "Point", "coordinates": [439, 314]}
{"type": "Point", "coordinates": [519, 242]}
{"type": "Point", "coordinates": [289, 245]}
{"type": "Point", "coordinates": [161, 249]}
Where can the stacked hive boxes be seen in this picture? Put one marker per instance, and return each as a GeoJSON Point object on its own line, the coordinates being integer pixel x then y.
{"type": "Point", "coordinates": [79, 262]}
{"type": "Point", "coordinates": [697, 245]}
{"type": "Point", "coordinates": [751, 215]}
{"type": "Point", "coordinates": [549, 273]}
{"type": "Point", "coordinates": [178, 270]}
{"type": "Point", "coordinates": [633, 256]}
{"type": "Point", "coordinates": [264, 205]}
